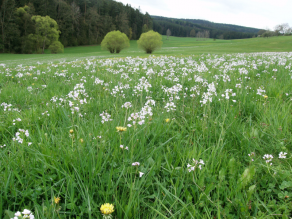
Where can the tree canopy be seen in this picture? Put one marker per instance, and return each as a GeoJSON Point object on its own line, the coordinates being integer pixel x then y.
{"type": "Point", "coordinates": [46, 31]}
{"type": "Point", "coordinates": [56, 47]}
{"type": "Point", "coordinates": [115, 41]}
{"type": "Point", "coordinates": [150, 41]}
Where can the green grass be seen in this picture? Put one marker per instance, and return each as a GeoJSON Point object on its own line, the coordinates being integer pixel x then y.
{"type": "Point", "coordinates": [171, 46]}
{"type": "Point", "coordinates": [247, 115]}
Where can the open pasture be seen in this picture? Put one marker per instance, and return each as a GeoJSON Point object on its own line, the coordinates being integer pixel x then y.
{"type": "Point", "coordinates": [193, 136]}
{"type": "Point", "coordinates": [177, 46]}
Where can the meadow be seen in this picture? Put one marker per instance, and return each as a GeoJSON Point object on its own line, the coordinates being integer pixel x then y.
{"type": "Point", "coordinates": [175, 46]}
{"type": "Point", "coordinates": [199, 129]}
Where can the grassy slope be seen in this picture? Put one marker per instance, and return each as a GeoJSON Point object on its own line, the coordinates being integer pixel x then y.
{"type": "Point", "coordinates": [172, 46]}
{"type": "Point", "coordinates": [88, 173]}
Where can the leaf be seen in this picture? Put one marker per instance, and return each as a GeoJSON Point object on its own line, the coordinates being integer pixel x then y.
{"type": "Point", "coordinates": [222, 174]}
{"type": "Point", "coordinates": [232, 167]}
{"type": "Point", "coordinates": [250, 191]}
{"type": "Point", "coordinates": [70, 206]}
{"type": "Point", "coordinates": [282, 195]}
{"type": "Point", "coordinates": [285, 185]}
{"type": "Point", "coordinates": [150, 161]}
{"type": "Point", "coordinates": [8, 214]}
{"type": "Point", "coordinates": [247, 176]}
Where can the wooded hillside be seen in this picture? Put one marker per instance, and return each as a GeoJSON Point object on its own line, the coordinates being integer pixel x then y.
{"type": "Point", "coordinates": [183, 28]}
{"type": "Point", "coordinates": [81, 22]}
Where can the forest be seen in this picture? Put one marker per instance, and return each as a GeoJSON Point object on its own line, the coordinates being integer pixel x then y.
{"type": "Point", "coordinates": [86, 22]}
{"type": "Point", "coordinates": [80, 22]}
{"type": "Point", "coordinates": [183, 28]}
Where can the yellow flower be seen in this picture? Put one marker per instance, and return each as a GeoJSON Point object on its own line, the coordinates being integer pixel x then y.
{"type": "Point", "coordinates": [167, 120]}
{"type": "Point", "coordinates": [121, 129]}
{"type": "Point", "coordinates": [81, 140]}
{"type": "Point", "coordinates": [71, 131]}
{"type": "Point", "coordinates": [57, 200]}
{"type": "Point", "coordinates": [265, 96]}
{"type": "Point", "coordinates": [107, 208]}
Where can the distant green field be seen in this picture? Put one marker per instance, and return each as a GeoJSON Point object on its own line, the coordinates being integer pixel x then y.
{"type": "Point", "coordinates": [171, 46]}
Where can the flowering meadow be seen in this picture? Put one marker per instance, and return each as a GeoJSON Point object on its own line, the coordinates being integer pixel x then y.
{"type": "Point", "coordinates": [205, 136]}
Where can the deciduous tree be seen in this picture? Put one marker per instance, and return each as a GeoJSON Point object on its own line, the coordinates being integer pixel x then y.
{"type": "Point", "coordinates": [193, 33]}
{"type": "Point", "coordinates": [282, 29]}
{"type": "Point", "coordinates": [145, 28]}
{"type": "Point", "coordinates": [46, 31]}
{"type": "Point", "coordinates": [6, 15]}
{"type": "Point", "coordinates": [150, 41]}
{"type": "Point", "coordinates": [168, 33]}
{"type": "Point", "coordinates": [56, 47]}
{"type": "Point", "coordinates": [25, 26]}
{"type": "Point", "coordinates": [115, 41]}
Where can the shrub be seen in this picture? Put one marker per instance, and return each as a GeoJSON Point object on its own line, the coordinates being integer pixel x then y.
{"type": "Point", "coordinates": [56, 47]}
{"type": "Point", "coordinates": [115, 41]}
{"type": "Point", "coordinates": [150, 41]}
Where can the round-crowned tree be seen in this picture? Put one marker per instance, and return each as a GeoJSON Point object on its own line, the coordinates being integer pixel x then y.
{"type": "Point", "coordinates": [150, 41]}
{"type": "Point", "coordinates": [115, 41]}
{"type": "Point", "coordinates": [56, 47]}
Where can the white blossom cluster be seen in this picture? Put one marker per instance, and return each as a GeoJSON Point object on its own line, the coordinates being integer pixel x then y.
{"type": "Point", "coordinates": [18, 135]}
{"type": "Point", "coordinates": [268, 158]}
{"type": "Point", "coordinates": [8, 107]}
{"type": "Point", "coordinates": [139, 118]}
{"type": "Point", "coordinates": [119, 90]}
{"type": "Point", "coordinates": [14, 120]}
{"type": "Point", "coordinates": [261, 91]}
{"type": "Point", "coordinates": [75, 99]}
{"type": "Point", "coordinates": [282, 155]}
{"type": "Point", "coordinates": [25, 214]}
{"type": "Point", "coordinates": [46, 113]}
{"type": "Point", "coordinates": [208, 96]}
{"type": "Point", "coordinates": [170, 107]}
{"type": "Point", "coordinates": [105, 117]}
{"type": "Point", "coordinates": [196, 164]}
{"type": "Point", "coordinates": [127, 105]}
{"type": "Point", "coordinates": [142, 85]}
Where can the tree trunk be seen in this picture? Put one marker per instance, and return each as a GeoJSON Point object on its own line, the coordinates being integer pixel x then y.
{"type": "Point", "coordinates": [85, 11]}
{"type": "Point", "coordinates": [44, 43]}
{"type": "Point", "coordinates": [3, 37]}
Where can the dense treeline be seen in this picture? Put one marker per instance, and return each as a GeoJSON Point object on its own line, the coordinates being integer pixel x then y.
{"type": "Point", "coordinates": [183, 28]}
{"type": "Point", "coordinates": [223, 27]}
{"type": "Point", "coordinates": [81, 22]}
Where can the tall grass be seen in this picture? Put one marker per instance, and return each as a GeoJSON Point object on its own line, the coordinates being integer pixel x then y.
{"type": "Point", "coordinates": [224, 111]}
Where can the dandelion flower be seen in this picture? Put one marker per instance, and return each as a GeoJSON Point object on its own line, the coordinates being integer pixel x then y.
{"type": "Point", "coordinates": [167, 120]}
{"type": "Point", "coordinates": [57, 200]}
{"type": "Point", "coordinates": [121, 129]}
{"type": "Point", "coordinates": [71, 131]}
{"type": "Point", "coordinates": [107, 208]}
{"type": "Point", "coordinates": [265, 96]}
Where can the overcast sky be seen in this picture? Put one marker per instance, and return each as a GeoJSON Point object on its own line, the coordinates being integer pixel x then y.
{"type": "Point", "coordinates": [250, 13]}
